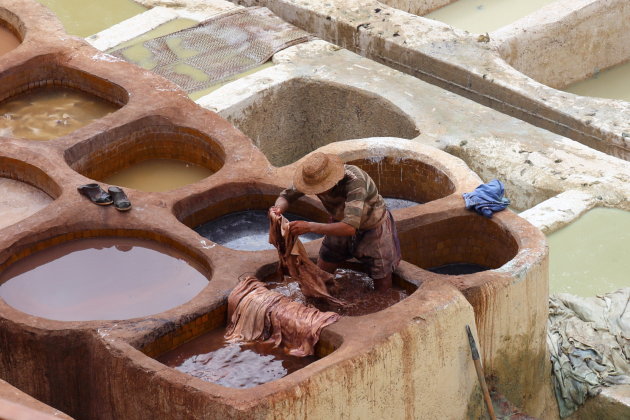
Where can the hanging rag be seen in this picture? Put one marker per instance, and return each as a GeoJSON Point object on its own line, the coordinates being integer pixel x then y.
{"type": "Point", "coordinates": [257, 313]}
{"type": "Point", "coordinates": [589, 342]}
{"type": "Point", "coordinates": [487, 198]}
{"type": "Point", "coordinates": [294, 261]}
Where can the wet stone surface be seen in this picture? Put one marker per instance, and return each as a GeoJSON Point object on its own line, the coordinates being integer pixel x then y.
{"type": "Point", "coordinates": [235, 365]}
{"type": "Point", "coordinates": [354, 287]}
{"type": "Point", "coordinates": [245, 230]}
{"type": "Point", "coordinates": [100, 279]}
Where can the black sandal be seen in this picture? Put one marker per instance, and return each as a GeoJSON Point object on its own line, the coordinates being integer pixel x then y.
{"type": "Point", "coordinates": [96, 194]}
{"type": "Point", "coordinates": [121, 202]}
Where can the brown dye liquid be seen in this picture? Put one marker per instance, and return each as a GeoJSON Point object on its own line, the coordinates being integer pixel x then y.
{"type": "Point", "coordinates": [48, 113]}
{"type": "Point", "coordinates": [457, 269]}
{"type": "Point", "coordinates": [354, 287]}
{"type": "Point", "coordinates": [235, 365]}
{"type": "Point", "coordinates": [8, 41]}
{"type": "Point", "coordinates": [158, 175]}
{"type": "Point", "coordinates": [100, 278]}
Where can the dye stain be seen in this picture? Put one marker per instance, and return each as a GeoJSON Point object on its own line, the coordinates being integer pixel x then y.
{"type": "Point", "coordinates": [480, 16]}
{"type": "Point", "coordinates": [245, 230]}
{"type": "Point", "coordinates": [8, 41]}
{"type": "Point", "coordinates": [19, 200]}
{"type": "Point", "coordinates": [100, 279]}
{"type": "Point", "coordinates": [235, 365]}
{"type": "Point", "coordinates": [158, 175]}
{"type": "Point", "coordinates": [354, 287]}
{"type": "Point", "coordinates": [44, 114]}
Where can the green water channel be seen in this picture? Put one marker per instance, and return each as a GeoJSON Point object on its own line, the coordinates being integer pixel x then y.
{"type": "Point", "coordinates": [612, 83]}
{"type": "Point", "coordinates": [87, 17]}
{"type": "Point", "coordinates": [480, 16]}
{"type": "Point", "coordinates": [591, 256]}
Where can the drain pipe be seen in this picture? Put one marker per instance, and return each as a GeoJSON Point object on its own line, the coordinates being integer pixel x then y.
{"type": "Point", "coordinates": [479, 369]}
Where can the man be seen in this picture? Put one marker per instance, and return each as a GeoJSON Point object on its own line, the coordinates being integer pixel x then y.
{"type": "Point", "coordinates": [361, 225]}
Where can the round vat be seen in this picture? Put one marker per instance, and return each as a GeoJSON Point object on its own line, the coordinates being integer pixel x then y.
{"type": "Point", "coordinates": [54, 100]}
{"type": "Point", "coordinates": [148, 155]}
{"type": "Point", "coordinates": [100, 279]}
{"type": "Point", "coordinates": [406, 182]}
{"type": "Point", "coordinates": [318, 113]}
{"type": "Point", "coordinates": [458, 245]}
{"type": "Point", "coordinates": [350, 285]}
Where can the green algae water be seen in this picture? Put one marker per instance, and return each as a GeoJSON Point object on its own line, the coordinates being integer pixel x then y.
{"type": "Point", "coordinates": [87, 17]}
{"type": "Point", "coordinates": [612, 83]}
{"type": "Point", "coordinates": [480, 16]}
{"type": "Point", "coordinates": [591, 256]}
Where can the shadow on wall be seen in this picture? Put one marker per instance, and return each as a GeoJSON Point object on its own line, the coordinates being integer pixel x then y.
{"type": "Point", "coordinates": [302, 115]}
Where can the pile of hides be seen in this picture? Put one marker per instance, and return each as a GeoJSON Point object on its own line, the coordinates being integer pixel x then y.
{"type": "Point", "coordinates": [257, 313]}
{"type": "Point", "coordinates": [294, 261]}
{"type": "Point", "coordinates": [589, 341]}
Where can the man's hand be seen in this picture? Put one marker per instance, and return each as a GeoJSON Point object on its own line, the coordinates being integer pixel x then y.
{"type": "Point", "coordinates": [300, 227]}
{"type": "Point", "coordinates": [275, 210]}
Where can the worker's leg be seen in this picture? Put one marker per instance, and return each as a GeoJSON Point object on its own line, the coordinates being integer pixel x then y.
{"type": "Point", "coordinates": [334, 251]}
{"type": "Point", "coordinates": [379, 250]}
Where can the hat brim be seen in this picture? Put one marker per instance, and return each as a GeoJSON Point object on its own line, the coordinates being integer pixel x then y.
{"type": "Point", "coordinates": [336, 174]}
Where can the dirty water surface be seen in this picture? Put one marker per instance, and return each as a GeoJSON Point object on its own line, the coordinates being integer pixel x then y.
{"type": "Point", "coordinates": [157, 175]}
{"type": "Point", "coordinates": [458, 269]}
{"type": "Point", "coordinates": [232, 364]}
{"type": "Point", "coordinates": [480, 16]}
{"type": "Point", "coordinates": [354, 287]}
{"type": "Point", "coordinates": [48, 113]}
{"type": "Point", "coordinates": [245, 230]}
{"type": "Point", "coordinates": [100, 279]}
{"type": "Point", "coordinates": [591, 256]}
{"type": "Point", "coordinates": [399, 203]}
{"type": "Point", "coordinates": [612, 83]}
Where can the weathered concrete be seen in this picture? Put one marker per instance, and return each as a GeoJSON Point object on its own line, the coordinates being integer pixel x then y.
{"type": "Point", "coordinates": [16, 405]}
{"type": "Point", "coordinates": [457, 61]}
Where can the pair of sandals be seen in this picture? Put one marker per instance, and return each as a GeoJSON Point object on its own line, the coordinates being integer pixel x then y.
{"type": "Point", "coordinates": [113, 195]}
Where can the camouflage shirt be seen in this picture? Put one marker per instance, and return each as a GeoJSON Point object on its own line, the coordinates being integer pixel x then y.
{"type": "Point", "coordinates": [353, 200]}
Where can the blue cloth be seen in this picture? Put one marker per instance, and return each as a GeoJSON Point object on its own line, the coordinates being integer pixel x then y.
{"type": "Point", "coordinates": [487, 198]}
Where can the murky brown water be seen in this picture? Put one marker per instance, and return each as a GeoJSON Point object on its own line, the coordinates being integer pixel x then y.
{"type": "Point", "coordinates": [8, 41]}
{"type": "Point", "coordinates": [235, 365]}
{"type": "Point", "coordinates": [158, 175]}
{"type": "Point", "coordinates": [48, 113]}
{"type": "Point", "coordinates": [354, 287]}
{"type": "Point", "coordinates": [18, 200]}
{"type": "Point", "coordinates": [101, 278]}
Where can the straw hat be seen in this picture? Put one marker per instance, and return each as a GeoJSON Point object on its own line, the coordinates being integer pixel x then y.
{"type": "Point", "coordinates": [319, 172]}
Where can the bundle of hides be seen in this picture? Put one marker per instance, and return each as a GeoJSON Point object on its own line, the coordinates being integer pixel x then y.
{"type": "Point", "coordinates": [589, 341]}
{"type": "Point", "coordinates": [257, 313]}
{"type": "Point", "coordinates": [295, 262]}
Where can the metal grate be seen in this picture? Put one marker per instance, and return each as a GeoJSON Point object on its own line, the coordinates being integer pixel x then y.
{"type": "Point", "coordinates": [198, 57]}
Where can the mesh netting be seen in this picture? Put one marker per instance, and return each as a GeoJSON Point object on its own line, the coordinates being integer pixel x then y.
{"type": "Point", "coordinates": [198, 57]}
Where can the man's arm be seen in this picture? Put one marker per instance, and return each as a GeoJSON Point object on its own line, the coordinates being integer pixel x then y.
{"type": "Point", "coordinates": [300, 227]}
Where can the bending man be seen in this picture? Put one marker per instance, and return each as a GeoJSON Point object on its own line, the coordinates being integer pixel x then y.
{"type": "Point", "coordinates": [361, 225]}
